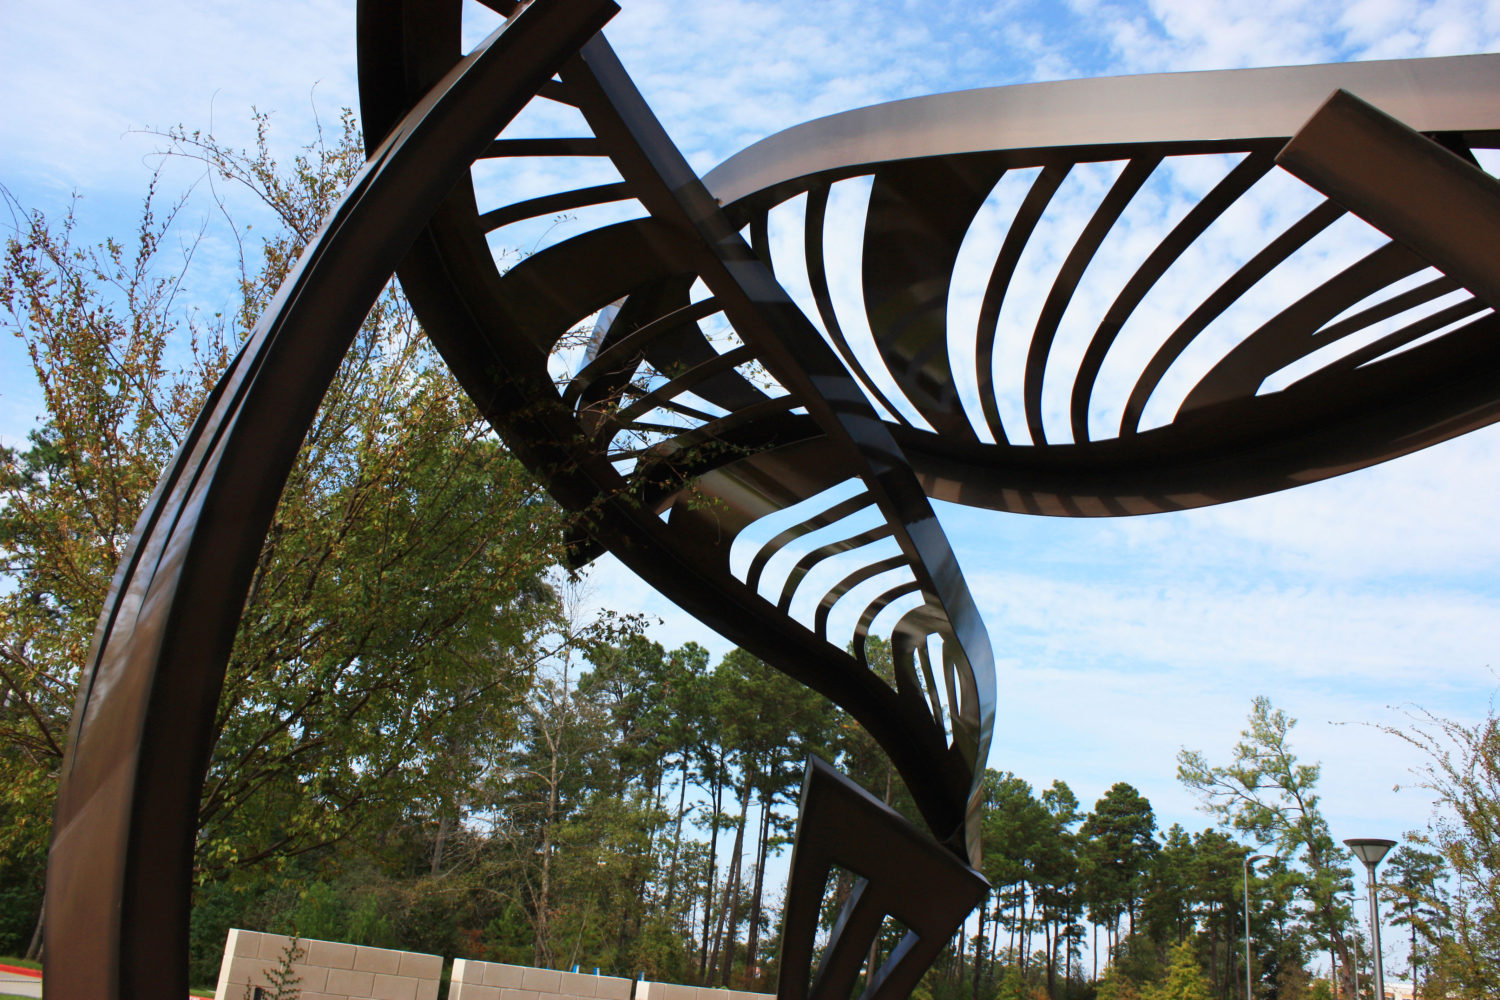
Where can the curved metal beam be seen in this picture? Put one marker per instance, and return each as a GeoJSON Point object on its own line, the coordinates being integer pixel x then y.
{"type": "Point", "coordinates": [1451, 94]}
{"type": "Point", "coordinates": [120, 866]}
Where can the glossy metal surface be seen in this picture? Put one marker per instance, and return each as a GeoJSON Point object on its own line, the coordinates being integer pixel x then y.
{"type": "Point", "coordinates": [932, 162]}
{"type": "Point", "coordinates": [120, 867]}
{"type": "Point", "coordinates": [1409, 187]}
{"type": "Point", "coordinates": [927, 895]}
{"type": "Point", "coordinates": [668, 485]}
{"type": "Point", "coordinates": [1454, 94]}
{"type": "Point", "coordinates": [710, 437]}
{"type": "Point", "coordinates": [670, 447]}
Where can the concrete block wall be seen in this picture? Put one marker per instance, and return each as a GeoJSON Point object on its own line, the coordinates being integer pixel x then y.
{"type": "Point", "coordinates": [671, 991]}
{"type": "Point", "coordinates": [497, 981]}
{"type": "Point", "coordinates": [328, 970]}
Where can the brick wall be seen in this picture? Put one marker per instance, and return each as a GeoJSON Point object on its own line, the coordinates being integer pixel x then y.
{"type": "Point", "coordinates": [332, 971]}
{"type": "Point", "coordinates": [497, 981]}
{"type": "Point", "coordinates": [328, 970]}
{"type": "Point", "coordinates": [671, 991]}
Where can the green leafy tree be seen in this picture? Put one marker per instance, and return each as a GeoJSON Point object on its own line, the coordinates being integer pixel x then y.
{"type": "Point", "coordinates": [1118, 845]}
{"type": "Point", "coordinates": [400, 601]}
{"type": "Point", "coordinates": [1414, 887]}
{"type": "Point", "coordinates": [1055, 870]}
{"type": "Point", "coordinates": [1463, 770]}
{"type": "Point", "coordinates": [1167, 889]}
{"type": "Point", "coordinates": [1216, 894]}
{"type": "Point", "coordinates": [1184, 979]}
{"type": "Point", "coordinates": [1016, 828]}
{"type": "Point", "coordinates": [1271, 797]}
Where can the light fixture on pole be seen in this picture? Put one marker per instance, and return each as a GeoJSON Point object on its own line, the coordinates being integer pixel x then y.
{"type": "Point", "coordinates": [1249, 860]}
{"type": "Point", "coordinates": [1370, 851]}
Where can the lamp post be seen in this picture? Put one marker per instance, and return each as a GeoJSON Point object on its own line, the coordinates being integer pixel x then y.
{"type": "Point", "coordinates": [1249, 859]}
{"type": "Point", "coordinates": [1370, 851]}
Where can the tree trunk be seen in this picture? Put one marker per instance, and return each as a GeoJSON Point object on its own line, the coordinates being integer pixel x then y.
{"type": "Point", "coordinates": [541, 949]}
{"type": "Point", "coordinates": [1213, 944]}
{"type": "Point", "coordinates": [34, 949]}
{"type": "Point", "coordinates": [1024, 951]}
{"type": "Point", "coordinates": [437, 844]}
{"type": "Point", "coordinates": [1068, 956]}
{"type": "Point", "coordinates": [731, 882]}
{"type": "Point", "coordinates": [1049, 941]}
{"type": "Point", "coordinates": [713, 874]}
{"type": "Point", "coordinates": [1015, 922]}
{"type": "Point", "coordinates": [733, 908]}
{"type": "Point", "coordinates": [677, 836]}
{"type": "Point", "coordinates": [1416, 982]}
{"type": "Point", "coordinates": [979, 948]}
{"type": "Point", "coordinates": [752, 947]}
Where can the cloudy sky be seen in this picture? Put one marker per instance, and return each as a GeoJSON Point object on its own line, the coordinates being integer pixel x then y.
{"type": "Point", "coordinates": [1118, 641]}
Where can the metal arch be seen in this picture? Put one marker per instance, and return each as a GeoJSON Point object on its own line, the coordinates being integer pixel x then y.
{"type": "Point", "coordinates": [1449, 94]}
{"type": "Point", "coordinates": [660, 419]}
{"type": "Point", "coordinates": [120, 864]}
{"type": "Point", "coordinates": [759, 458]}
{"type": "Point", "coordinates": [122, 852]}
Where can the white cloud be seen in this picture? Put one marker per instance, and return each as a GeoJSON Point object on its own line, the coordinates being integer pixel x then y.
{"type": "Point", "coordinates": [84, 76]}
{"type": "Point", "coordinates": [1171, 35]}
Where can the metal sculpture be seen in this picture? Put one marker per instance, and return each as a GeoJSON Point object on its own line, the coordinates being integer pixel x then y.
{"type": "Point", "coordinates": [670, 447]}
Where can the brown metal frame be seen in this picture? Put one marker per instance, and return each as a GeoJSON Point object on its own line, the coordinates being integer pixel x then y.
{"type": "Point", "coordinates": [667, 448]}
{"type": "Point", "coordinates": [119, 872]}
{"type": "Point", "coordinates": [933, 160]}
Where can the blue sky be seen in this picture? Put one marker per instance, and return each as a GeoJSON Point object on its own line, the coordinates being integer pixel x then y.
{"type": "Point", "coordinates": [1118, 641]}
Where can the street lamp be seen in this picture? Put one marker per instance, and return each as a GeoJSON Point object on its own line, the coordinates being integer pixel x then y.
{"type": "Point", "coordinates": [1249, 859]}
{"type": "Point", "coordinates": [1370, 851]}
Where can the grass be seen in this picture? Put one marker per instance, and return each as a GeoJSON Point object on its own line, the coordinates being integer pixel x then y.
{"type": "Point", "coordinates": [22, 964]}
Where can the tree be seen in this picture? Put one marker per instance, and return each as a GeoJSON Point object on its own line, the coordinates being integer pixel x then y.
{"type": "Point", "coordinates": [1216, 895]}
{"type": "Point", "coordinates": [1055, 870]}
{"type": "Point", "coordinates": [1184, 979]}
{"type": "Point", "coordinates": [1119, 846]}
{"type": "Point", "coordinates": [538, 790]}
{"type": "Point", "coordinates": [1463, 769]}
{"type": "Point", "coordinates": [1268, 795]}
{"type": "Point", "coordinates": [400, 602]}
{"type": "Point", "coordinates": [1016, 828]}
{"type": "Point", "coordinates": [1414, 890]}
{"type": "Point", "coordinates": [1167, 894]}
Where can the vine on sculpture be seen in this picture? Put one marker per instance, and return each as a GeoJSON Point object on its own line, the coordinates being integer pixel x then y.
{"type": "Point", "coordinates": [669, 446]}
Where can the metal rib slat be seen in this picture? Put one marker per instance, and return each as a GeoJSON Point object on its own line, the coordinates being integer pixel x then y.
{"type": "Point", "coordinates": [1078, 259]}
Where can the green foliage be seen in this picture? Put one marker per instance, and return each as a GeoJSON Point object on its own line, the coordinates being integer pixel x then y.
{"type": "Point", "coordinates": [1115, 985]}
{"type": "Point", "coordinates": [1268, 795]}
{"type": "Point", "coordinates": [1184, 978]}
{"type": "Point", "coordinates": [1414, 887]}
{"type": "Point", "coordinates": [1013, 987]}
{"type": "Point", "coordinates": [282, 980]}
{"type": "Point", "coordinates": [1460, 928]}
{"type": "Point", "coordinates": [400, 603]}
{"type": "Point", "coordinates": [1117, 850]}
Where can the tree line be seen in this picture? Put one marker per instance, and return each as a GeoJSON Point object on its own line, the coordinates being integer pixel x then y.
{"type": "Point", "coordinates": [425, 742]}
